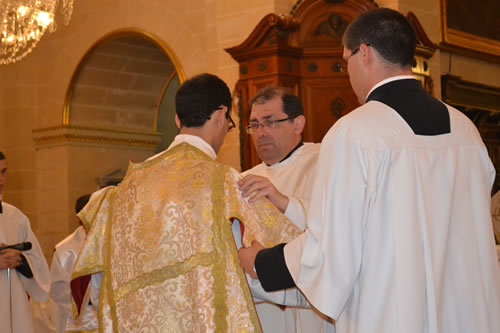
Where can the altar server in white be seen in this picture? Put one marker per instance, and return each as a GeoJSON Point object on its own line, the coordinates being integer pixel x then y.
{"type": "Point", "coordinates": [63, 261]}
{"type": "Point", "coordinates": [285, 177]}
{"type": "Point", "coordinates": [29, 273]}
{"type": "Point", "coordinates": [399, 235]}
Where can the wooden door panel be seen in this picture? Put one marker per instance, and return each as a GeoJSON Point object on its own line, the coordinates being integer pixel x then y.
{"type": "Point", "coordinates": [325, 102]}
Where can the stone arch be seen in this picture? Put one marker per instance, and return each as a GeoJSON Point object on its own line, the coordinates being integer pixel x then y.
{"type": "Point", "coordinates": [120, 81]}
{"type": "Point", "coordinates": [159, 21]}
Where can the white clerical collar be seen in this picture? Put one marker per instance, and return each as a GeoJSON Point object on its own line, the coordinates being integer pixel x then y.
{"type": "Point", "coordinates": [196, 141]}
{"type": "Point", "coordinates": [193, 140]}
{"type": "Point", "coordinates": [390, 79]}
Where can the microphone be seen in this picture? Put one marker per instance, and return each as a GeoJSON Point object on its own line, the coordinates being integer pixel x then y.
{"type": "Point", "coordinates": [25, 246]}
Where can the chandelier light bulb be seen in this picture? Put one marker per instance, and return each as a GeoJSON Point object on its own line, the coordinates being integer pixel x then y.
{"type": "Point", "coordinates": [23, 11]}
{"type": "Point", "coordinates": [44, 19]}
{"type": "Point", "coordinates": [10, 39]}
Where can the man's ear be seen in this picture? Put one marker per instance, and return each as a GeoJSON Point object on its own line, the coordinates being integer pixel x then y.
{"type": "Point", "coordinates": [366, 52]}
{"type": "Point", "coordinates": [220, 115]}
{"type": "Point", "coordinates": [299, 122]}
{"type": "Point", "coordinates": [177, 121]}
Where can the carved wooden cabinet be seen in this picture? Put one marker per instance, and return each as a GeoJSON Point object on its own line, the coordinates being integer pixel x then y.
{"type": "Point", "coordinates": [302, 51]}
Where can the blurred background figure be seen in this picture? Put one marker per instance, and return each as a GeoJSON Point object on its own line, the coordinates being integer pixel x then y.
{"type": "Point", "coordinates": [56, 315]}
{"type": "Point", "coordinates": [63, 261]}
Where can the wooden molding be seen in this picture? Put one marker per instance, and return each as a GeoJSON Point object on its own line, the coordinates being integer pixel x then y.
{"type": "Point", "coordinates": [471, 95]}
{"type": "Point", "coordinates": [425, 47]}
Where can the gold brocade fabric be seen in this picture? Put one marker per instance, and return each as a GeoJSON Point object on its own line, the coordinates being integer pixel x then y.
{"type": "Point", "coordinates": [163, 241]}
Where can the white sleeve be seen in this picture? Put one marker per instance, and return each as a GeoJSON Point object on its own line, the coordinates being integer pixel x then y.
{"type": "Point", "coordinates": [325, 260]}
{"type": "Point", "coordinates": [296, 212]}
{"type": "Point", "coordinates": [288, 297]}
{"type": "Point", "coordinates": [95, 286]}
{"type": "Point", "coordinates": [60, 289]}
{"type": "Point", "coordinates": [38, 286]}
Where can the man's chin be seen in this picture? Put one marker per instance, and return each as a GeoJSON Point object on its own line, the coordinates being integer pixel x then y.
{"type": "Point", "coordinates": [265, 157]}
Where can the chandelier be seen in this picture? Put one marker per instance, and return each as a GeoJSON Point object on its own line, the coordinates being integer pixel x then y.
{"type": "Point", "coordinates": [24, 22]}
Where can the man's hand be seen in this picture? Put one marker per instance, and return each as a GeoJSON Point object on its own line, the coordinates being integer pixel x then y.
{"type": "Point", "coordinates": [9, 258]}
{"type": "Point", "coordinates": [256, 187]}
{"type": "Point", "coordinates": [247, 258]}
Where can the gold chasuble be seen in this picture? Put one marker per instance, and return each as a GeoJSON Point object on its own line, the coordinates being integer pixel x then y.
{"type": "Point", "coordinates": [163, 241]}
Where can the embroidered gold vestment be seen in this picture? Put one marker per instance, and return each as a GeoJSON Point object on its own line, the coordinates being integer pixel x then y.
{"type": "Point", "coordinates": [163, 242]}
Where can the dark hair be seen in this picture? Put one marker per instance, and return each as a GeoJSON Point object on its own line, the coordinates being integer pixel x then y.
{"type": "Point", "coordinates": [2, 156]}
{"type": "Point", "coordinates": [198, 97]}
{"type": "Point", "coordinates": [81, 202]}
{"type": "Point", "coordinates": [386, 30]}
{"type": "Point", "coordinates": [291, 103]}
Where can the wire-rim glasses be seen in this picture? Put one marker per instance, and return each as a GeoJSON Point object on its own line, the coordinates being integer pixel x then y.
{"type": "Point", "coordinates": [254, 127]}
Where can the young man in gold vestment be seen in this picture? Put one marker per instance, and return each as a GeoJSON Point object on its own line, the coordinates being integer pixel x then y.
{"type": "Point", "coordinates": [162, 241]}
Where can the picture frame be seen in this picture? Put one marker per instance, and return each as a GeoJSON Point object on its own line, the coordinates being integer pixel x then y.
{"type": "Point", "coordinates": [471, 29]}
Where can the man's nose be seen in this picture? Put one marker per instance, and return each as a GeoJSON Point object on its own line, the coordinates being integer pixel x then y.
{"type": "Point", "coordinates": [262, 130]}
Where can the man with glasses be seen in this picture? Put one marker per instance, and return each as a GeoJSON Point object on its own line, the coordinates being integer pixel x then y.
{"type": "Point", "coordinates": [163, 239]}
{"type": "Point", "coordinates": [399, 235]}
{"type": "Point", "coordinates": [285, 177]}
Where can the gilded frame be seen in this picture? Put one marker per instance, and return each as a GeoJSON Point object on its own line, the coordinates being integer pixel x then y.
{"type": "Point", "coordinates": [462, 40]}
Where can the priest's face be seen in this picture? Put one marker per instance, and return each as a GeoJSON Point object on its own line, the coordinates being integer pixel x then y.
{"type": "Point", "coordinates": [3, 174]}
{"type": "Point", "coordinates": [273, 140]}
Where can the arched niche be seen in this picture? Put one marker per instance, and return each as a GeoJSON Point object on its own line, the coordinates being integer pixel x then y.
{"type": "Point", "coordinates": [125, 82]}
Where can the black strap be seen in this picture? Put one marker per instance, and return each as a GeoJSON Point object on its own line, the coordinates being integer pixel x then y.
{"type": "Point", "coordinates": [24, 267]}
{"type": "Point", "coordinates": [1, 209]}
{"type": "Point", "coordinates": [425, 114]}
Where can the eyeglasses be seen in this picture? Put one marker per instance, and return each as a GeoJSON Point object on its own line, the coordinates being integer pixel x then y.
{"type": "Point", "coordinates": [232, 125]}
{"type": "Point", "coordinates": [253, 127]}
{"type": "Point", "coordinates": [343, 65]}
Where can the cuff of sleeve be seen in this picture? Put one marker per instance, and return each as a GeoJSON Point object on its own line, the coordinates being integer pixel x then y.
{"type": "Point", "coordinates": [271, 269]}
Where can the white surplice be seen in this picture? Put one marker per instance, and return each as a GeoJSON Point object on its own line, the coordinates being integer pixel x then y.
{"type": "Point", "coordinates": [293, 177]}
{"type": "Point", "coordinates": [63, 261]}
{"type": "Point", "coordinates": [387, 248]}
{"type": "Point", "coordinates": [15, 228]}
